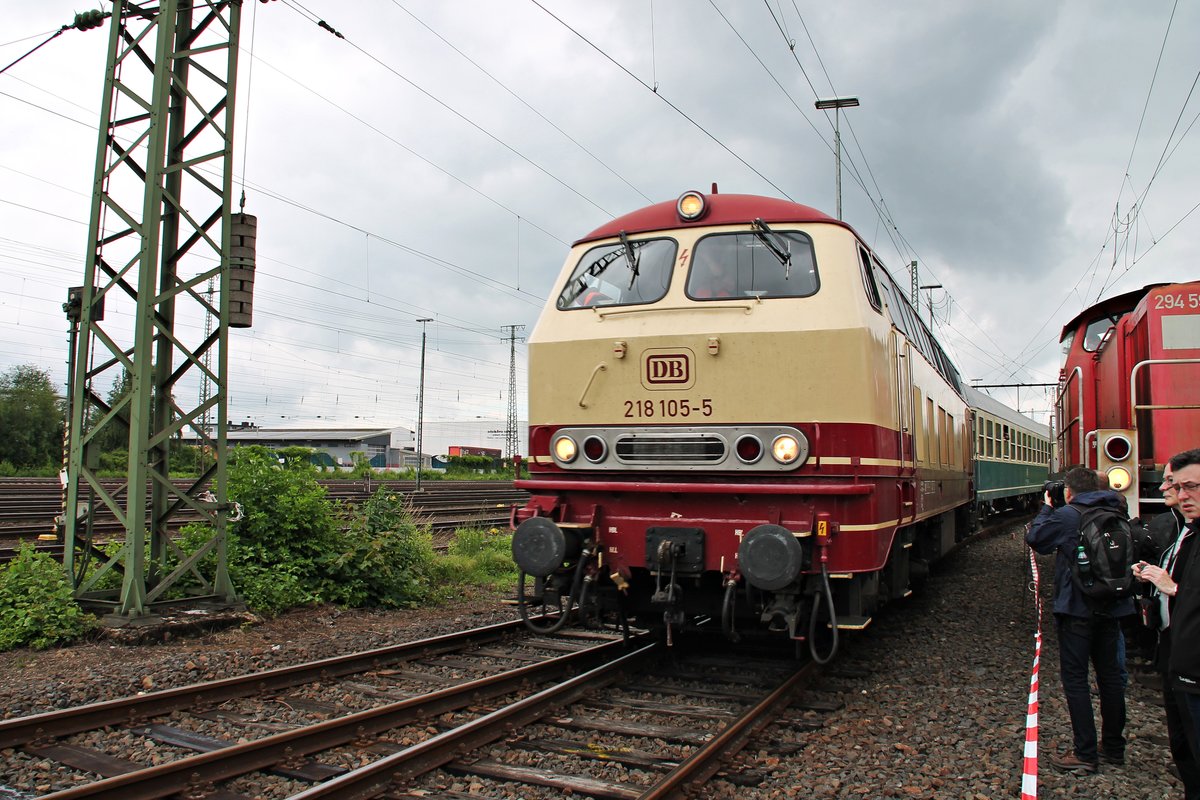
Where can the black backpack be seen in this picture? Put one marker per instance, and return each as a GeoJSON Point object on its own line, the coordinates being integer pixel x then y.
{"type": "Point", "coordinates": [1102, 567]}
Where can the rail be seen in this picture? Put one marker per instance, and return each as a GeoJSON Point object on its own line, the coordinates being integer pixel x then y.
{"type": "Point", "coordinates": [232, 760]}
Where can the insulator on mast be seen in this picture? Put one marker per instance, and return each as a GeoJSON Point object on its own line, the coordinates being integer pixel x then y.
{"type": "Point", "coordinates": [241, 270]}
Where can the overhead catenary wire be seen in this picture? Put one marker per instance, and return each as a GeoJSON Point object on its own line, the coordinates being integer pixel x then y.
{"type": "Point", "coordinates": [612, 170]}
{"type": "Point", "coordinates": [880, 206]}
{"type": "Point", "coordinates": [84, 20]}
{"type": "Point", "coordinates": [1113, 230]}
{"type": "Point", "coordinates": [960, 321]}
{"type": "Point", "coordinates": [428, 94]}
{"type": "Point", "coordinates": [654, 90]}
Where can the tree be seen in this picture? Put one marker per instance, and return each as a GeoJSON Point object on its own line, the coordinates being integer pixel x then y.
{"type": "Point", "coordinates": [31, 418]}
{"type": "Point", "coordinates": [115, 436]}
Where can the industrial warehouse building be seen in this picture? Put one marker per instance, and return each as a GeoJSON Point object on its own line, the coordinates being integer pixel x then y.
{"type": "Point", "coordinates": [386, 448]}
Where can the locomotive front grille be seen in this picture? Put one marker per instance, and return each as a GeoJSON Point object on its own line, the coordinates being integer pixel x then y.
{"type": "Point", "coordinates": [745, 448]}
{"type": "Point", "coordinates": [666, 449]}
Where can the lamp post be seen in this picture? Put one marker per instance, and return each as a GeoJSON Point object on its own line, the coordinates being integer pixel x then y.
{"type": "Point", "coordinates": [421, 403]}
{"type": "Point", "coordinates": [837, 103]}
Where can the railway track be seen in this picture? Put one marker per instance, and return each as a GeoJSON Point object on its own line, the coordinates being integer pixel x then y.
{"type": "Point", "coordinates": [30, 507]}
{"type": "Point", "coordinates": [589, 712]}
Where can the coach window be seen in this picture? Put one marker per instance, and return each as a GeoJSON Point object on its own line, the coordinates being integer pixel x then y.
{"type": "Point", "coordinates": [931, 430]}
{"type": "Point", "coordinates": [762, 264]}
{"type": "Point", "coordinates": [943, 435]}
{"type": "Point", "coordinates": [620, 273]}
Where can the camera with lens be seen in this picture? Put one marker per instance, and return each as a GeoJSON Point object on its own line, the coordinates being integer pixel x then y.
{"type": "Point", "coordinates": [1056, 490]}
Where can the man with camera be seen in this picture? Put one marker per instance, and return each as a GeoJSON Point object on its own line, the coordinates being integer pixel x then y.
{"type": "Point", "coordinates": [1176, 577]}
{"type": "Point", "coordinates": [1086, 632]}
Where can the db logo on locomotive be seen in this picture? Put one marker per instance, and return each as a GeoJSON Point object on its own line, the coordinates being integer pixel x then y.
{"type": "Point", "coordinates": [667, 369]}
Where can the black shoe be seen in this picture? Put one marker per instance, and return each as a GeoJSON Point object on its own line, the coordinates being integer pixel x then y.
{"type": "Point", "coordinates": [1112, 758]}
{"type": "Point", "coordinates": [1070, 763]}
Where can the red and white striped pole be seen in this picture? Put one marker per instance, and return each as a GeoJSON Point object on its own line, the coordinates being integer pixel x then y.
{"type": "Point", "coordinates": [1029, 769]}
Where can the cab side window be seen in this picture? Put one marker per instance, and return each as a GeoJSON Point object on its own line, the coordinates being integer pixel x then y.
{"type": "Point", "coordinates": [868, 279]}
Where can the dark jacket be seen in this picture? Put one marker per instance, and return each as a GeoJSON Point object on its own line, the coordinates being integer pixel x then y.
{"type": "Point", "coordinates": [1161, 533]}
{"type": "Point", "coordinates": [1057, 530]}
{"type": "Point", "coordinates": [1184, 666]}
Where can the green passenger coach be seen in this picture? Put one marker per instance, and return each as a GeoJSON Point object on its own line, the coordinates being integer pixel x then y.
{"type": "Point", "coordinates": [1013, 454]}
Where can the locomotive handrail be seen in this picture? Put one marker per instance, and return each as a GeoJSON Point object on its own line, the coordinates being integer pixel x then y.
{"type": "Point", "coordinates": [741, 306]}
{"type": "Point", "coordinates": [1134, 406]}
{"type": "Point", "coordinates": [910, 424]}
{"type": "Point", "coordinates": [1062, 432]}
{"type": "Point", "coordinates": [601, 367]}
{"type": "Point", "coordinates": [894, 352]}
{"type": "Point", "coordinates": [699, 488]}
{"type": "Point", "coordinates": [1093, 438]}
{"type": "Point", "coordinates": [904, 385]}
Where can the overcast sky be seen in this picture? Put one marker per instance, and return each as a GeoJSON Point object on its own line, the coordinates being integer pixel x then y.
{"type": "Point", "coordinates": [437, 161]}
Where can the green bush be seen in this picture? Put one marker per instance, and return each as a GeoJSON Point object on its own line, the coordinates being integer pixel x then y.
{"type": "Point", "coordinates": [295, 547]}
{"type": "Point", "coordinates": [37, 604]}
{"type": "Point", "coordinates": [271, 589]}
{"type": "Point", "coordinates": [387, 559]}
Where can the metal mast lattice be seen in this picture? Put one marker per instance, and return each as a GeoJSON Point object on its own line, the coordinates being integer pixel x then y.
{"type": "Point", "coordinates": [160, 228]}
{"type": "Point", "coordinates": [511, 444]}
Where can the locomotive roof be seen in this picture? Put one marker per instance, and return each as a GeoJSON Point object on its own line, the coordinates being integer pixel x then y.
{"type": "Point", "coordinates": [723, 209]}
{"type": "Point", "coordinates": [1105, 308]}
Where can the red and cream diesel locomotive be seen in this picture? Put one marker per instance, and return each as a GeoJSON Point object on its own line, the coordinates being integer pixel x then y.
{"type": "Point", "coordinates": [737, 419]}
{"type": "Point", "coordinates": [1127, 394]}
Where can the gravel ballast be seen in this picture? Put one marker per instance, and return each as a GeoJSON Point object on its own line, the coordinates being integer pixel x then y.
{"type": "Point", "coordinates": [933, 704]}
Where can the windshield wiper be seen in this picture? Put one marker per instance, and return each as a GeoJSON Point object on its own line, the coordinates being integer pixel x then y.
{"type": "Point", "coordinates": [631, 257]}
{"type": "Point", "coordinates": [772, 240]}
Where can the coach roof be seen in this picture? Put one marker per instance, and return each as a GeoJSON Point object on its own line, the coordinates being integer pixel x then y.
{"type": "Point", "coordinates": [723, 209]}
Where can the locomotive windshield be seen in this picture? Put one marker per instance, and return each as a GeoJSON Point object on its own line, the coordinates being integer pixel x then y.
{"type": "Point", "coordinates": [1097, 330]}
{"type": "Point", "coordinates": [623, 273]}
{"type": "Point", "coordinates": [749, 265]}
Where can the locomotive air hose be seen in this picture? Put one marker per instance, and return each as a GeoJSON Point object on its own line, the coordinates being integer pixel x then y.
{"type": "Point", "coordinates": [727, 612]}
{"type": "Point", "coordinates": [576, 585]}
{"type": "Point", "coordinates": [812, 620]}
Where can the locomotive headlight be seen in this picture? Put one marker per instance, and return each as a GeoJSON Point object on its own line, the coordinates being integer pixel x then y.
{"type": "Point", "coordinates": [785, 448]}
{"type": "Point", "coordinates": [749, 449]}
{"type": "Point", "coordinates": [594, 449]}
{"type": "Point", "coordinates": [1117, 448]}
{"type": "Point", "coordinates": [690, 206]}
{"type": "Point", "coordinates": [565, 449]}
{"type": "Point", "coordinates": [1119, 479]}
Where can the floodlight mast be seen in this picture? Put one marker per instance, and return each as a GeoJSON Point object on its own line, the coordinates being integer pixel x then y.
{"type": "Point", "coordinates": [421, 404]}
{"type": "Point", "coordinates": [837, 103]}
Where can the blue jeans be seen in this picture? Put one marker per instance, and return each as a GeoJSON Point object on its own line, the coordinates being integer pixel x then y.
{"type": "Point", "coordinates": [1092, 640]}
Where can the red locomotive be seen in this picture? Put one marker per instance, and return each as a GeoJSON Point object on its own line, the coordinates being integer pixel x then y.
{"type": "Point", "coordinates": [1127, 396]}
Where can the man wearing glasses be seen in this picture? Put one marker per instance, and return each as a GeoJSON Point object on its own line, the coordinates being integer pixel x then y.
{"type": "Point", "coordinates": [1178, 580]}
